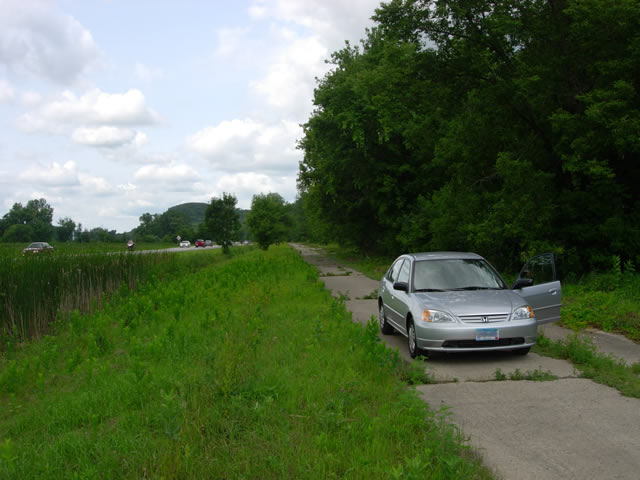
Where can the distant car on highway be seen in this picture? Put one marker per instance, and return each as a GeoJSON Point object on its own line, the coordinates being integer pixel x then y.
{"type": "Point", "coordinates": [199, 243]}
{"type": "Point", "coordinates": [185, 244]}
{"type": "Point", "coordinates": [37, 247]}
{"type": "Point", "coordinates": [208, 243]}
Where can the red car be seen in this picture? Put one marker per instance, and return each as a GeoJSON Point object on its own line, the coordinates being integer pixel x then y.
{"type": "Point", "coordinates": [199, 243]}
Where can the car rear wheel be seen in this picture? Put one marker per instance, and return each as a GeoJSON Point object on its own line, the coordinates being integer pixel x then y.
{"type": "Point", "coordinates": [521, 351]}
{"type": "Point", "coordinates": [412, 340]}
{"type": "Point", "coordinates": [385, 328]}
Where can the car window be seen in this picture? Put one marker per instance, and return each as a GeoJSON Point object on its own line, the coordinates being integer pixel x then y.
{"type": "Point", "coordinates": [403, 276]}
{"type": "Point", "coordinates": [395, 270]}
{"type": "Point", "coordinates": [451, 274]}
{"type": "Point", "coordinates": [541, 269]}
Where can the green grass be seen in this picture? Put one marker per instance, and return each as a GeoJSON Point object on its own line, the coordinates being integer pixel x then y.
{"type": "Point", "coordinates": [598, 367]}
{"type": "Point", "coordinates": [246, 368]}
{"type": "Point", "coordinates": [536, 375]}
{"type": "Point", "coordinates": [607, 302]}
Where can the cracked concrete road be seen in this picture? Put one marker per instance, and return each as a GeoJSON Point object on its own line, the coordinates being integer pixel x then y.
{"type": "Point", "coordinates": [562, 429]}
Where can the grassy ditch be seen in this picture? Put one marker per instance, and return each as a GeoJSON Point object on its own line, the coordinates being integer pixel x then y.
{"type": "Point", "coordinates": [37, 290]}
{"type": "Point", "coordinates": [243, 369]}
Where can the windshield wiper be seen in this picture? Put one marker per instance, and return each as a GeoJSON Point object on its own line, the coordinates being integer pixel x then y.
{"type": "Point", "coordinates": [428, 290]}
{"type": "Point", "coordinates": [474, 287]}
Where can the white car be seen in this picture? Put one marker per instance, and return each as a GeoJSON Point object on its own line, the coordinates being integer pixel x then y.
{"type": "Point", "coordinates": [185, 244]}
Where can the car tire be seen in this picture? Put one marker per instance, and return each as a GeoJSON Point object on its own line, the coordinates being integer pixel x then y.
{"type": "Point", "coordinates": [385, 328]}
{"type": "Point", "coordinates": [412, 342]}
{"type": "Point", "coordinates": [521, 351]}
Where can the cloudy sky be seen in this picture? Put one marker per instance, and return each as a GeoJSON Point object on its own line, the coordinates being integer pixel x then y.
{"type": "Point", "coordinates": [113, 108]}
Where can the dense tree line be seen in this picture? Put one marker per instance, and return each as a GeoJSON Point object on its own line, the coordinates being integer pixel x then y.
{"type": "Point", "coordinates": [165, 226]}
{"type": "Point", "coordinates": [502, 127]}
{"type": "Point", "coordinates": [34, 222]}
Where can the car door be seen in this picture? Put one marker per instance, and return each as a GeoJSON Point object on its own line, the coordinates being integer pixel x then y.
{"type": "Point", "coordinates": [544, 292]}
{"type": "Point", "coordinates": [389, 294]}
{"type": "Point", "coordinates": [399, 301]}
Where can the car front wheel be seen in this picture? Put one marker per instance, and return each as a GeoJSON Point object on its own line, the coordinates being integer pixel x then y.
{"type": "Point", "coordinates": [412, 340]}
{"type": "Point", "coordinates": [385, 328]}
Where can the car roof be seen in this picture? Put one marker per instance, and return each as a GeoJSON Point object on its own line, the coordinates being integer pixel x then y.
{"type": "Point", "coordinates": [445, 256]}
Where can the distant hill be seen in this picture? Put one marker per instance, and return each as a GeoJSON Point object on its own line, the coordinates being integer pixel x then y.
{"type": "Point", "coordinates": [194, 211]}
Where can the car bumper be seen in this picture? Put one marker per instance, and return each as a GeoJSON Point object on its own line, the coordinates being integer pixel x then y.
{"type": "Point", "coordinates": [464, 337]}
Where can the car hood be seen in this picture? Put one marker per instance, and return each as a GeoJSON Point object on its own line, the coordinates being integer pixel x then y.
{"type": "Point", "coordinates": [472, 302]}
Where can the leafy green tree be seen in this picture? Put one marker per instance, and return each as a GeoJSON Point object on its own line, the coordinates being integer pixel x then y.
{"type": "Point", "coordinates": [503, 127]}
{"type": "Point", "coordinates": [18, 232]}
{"type": "Point", "coordinates": [268, 220]}
{"type": "Point", "coordinates": [37, 214]}
{"type": "Point", "coordinates": [64, 232]}
{"type": "Point", "coordinates": [222, 220]}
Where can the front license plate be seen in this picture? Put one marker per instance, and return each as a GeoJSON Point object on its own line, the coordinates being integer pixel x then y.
{"type": "Point", "coordinates": [487, 334]}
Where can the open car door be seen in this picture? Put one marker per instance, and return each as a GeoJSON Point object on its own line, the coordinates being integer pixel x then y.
{"type": "Point", "coordinates": [538, 284]}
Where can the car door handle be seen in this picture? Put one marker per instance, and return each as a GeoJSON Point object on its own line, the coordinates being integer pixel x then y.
{"type": "Point", "coordinates": [553, 291]}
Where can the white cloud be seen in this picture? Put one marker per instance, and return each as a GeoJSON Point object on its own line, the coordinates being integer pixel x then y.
{"type": "Point", "coordinates": [332, 20]}
{"type": "Point", "coordinates": [31, 99]}
{"type": "Point", "coordinates": [215, 141]}
{"type": "Point", "coordinates": [241, 145]}
{"type": "Point", "coordinates": [36, 39]}
{"type": "Point", "coordinates": [95, 185]}
{"type": "Point", "coordinates": [59, 175]}
{"type": "Point", "coordinates": [100, 108]}
{"type": "Point", "coordinates": [257, 11]}
{"type": "Point", "coordinates": [103, 136]}
{"type": "Point", "coordinates": [93, 119]}
{"type": "Point", "coordinates": [140, 139]}
{"type": "Point", "coordinates": [6, 92]}
{"type": "Point", "coordinates": [174, 174]}
{"type": "Point", "coordinates": [290, 81]}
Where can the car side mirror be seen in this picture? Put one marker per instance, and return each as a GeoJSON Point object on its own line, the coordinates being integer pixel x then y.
{"type": "Point", "coordinates": [403, 286]}
{"type": "Point", "coordinates": [521, 283]}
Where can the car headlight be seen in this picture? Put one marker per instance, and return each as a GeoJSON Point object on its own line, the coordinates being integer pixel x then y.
{"type": "Point", "coordinates": [436, 316]}
{"type": "Point", "coordinates": [522, 313]}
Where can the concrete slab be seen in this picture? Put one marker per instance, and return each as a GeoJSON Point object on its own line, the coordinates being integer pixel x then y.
{"type": "Point", "coordinates": [570, 428]}
{"type": "Point", "coordinates": [483, 366]}
{"type": "Point", "coordinates": [353, 287]}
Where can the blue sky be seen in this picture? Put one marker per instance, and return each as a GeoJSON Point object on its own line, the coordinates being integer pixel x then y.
{"type": "Point", "coordinates": [113, 108]}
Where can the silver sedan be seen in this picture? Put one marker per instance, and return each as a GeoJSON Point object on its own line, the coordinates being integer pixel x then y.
{"type": "Point", "coordinates": [453, 302]}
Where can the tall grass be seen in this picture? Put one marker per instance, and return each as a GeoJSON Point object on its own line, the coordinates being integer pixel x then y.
{"type": "Point", "coordinates": [607, 301]}
{"type": "Point", "coordinates": [37, 290]}
{"type": "Point", "coordinates": [244, 369]}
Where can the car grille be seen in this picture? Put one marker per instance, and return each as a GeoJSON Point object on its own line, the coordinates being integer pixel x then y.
{"type": "Point", "coordinates": [502, 317]}
{"type": "Point", "coordinates": [503, 342]}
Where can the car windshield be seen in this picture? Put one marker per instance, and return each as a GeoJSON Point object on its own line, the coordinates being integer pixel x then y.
{"type": "Point", "coordinates": [455, 274]}
{"type": "Point", "coordinates": [36, 245]}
